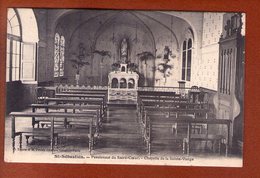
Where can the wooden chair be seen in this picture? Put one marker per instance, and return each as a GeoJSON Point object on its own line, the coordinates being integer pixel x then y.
{"type": "Point", "coordinates": [41, 94]}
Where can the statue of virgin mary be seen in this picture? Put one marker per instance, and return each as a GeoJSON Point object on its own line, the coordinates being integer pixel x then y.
{"type": "Point", "coordinates": [124, 50]}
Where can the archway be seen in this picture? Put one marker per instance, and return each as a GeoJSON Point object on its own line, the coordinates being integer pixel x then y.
{"type": "Point", "coordinates": [114, 83]}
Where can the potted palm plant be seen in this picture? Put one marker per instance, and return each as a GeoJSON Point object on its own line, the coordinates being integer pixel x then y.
{"type": "Point", "coordinates": [165, 69]}
{"type": "Point", "coordinates": [78, 64]}
{"type": "Point", "coordinates": [79, 61]}
{"type": "Point", "coordinates": [103, 54]}
{"type": "Point", "coordinates": [132, 67]}
{"type": "Point", "coordinates": [145, 56]}
{"type": "Point", "coordinates": [115, 66]}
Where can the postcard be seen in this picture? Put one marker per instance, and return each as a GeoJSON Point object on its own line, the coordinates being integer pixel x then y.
{"type": "Point", "coordinates": [101, 86]}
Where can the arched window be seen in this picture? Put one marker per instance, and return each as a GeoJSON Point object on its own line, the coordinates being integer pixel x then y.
{"type": "Point", "coordinates": [13, 23]}
{"type": "Point", "coordinates": [59, 50]}
{"type": "Point", "coordinates": [13, 50]}
{"type": "Point", "coordinates": [186, 59]}
{"type": "Point", "coordinates": [62, 50]}
{"type": "Point", "coordinates": [22, 38]}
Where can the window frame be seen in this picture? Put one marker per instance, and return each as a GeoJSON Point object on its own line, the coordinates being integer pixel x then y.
{"type": "Point", "coordinates": [186, 62]}
{"type": "Point", "coordinates": [11, 50]}
{"type": "Point", "coordinates": [16, 36]}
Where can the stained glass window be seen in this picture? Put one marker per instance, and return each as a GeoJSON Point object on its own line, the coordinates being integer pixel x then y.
{"type": "Point", "coordinates": [62, 49]}
{"type": "Point", "coordinates": [59, 49]}
{"type": "Point", "coordinates": [56, 54]}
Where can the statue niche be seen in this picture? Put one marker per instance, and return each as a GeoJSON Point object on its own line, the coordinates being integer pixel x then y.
{"type": "Point", "coordinates": [124, 51]}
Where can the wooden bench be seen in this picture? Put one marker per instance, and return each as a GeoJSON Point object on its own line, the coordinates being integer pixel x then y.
{"type": "Point", "coordinates": [170, 109]}
{"type": "Point", "coordinates": [81, 90]}
{"type": "Point", "coordinates": [189, 136]}
{"type": "Point", "coordinates": [52, 132]}
{"type": "Point", "coordinates": [88, 110]}
{"type": "Point", "coordinates": [204, 137]}
{"type": "Point", "coordinates": [76, 101]}
{"type": "Point", "coordinates": [80, 95]}
{"type": "Point", "coordinates": [173, 107]}
{"type": "Point", "coordinates": [90, 101]}
{"type": "Point", "coordinates": [95, 101]}
{"type": "Point", "coordinates": [148, 134]}
{"type": "Point", "coordinates": [103, 97]}
{"type": "Point", "coordinates": [73, 88]}
{"type": "Point", "coordinates": [84, 92]}
{"type": "Point", "coordinates": [170, 102]}
{"type": "Point", "coordinates": [163, 99]}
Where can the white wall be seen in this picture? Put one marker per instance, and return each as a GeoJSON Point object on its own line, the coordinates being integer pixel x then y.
{"type": "Point", "coordinates": [208, 65]}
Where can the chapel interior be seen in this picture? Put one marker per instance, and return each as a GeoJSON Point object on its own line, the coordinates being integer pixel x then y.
{"type": "Point", "coordinates": [165, 80]}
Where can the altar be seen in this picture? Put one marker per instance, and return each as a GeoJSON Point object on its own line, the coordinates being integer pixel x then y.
{"type": "Point", "coordinates": [122, 84]}
{"type": "Point", "coordinates": [123, 80]}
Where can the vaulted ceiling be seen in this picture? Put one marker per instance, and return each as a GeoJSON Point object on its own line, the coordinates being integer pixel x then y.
{"type": "Point", "coordinates": [150, 22]}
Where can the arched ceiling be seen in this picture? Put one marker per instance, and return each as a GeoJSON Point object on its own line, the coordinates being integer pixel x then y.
{"type": "Point", "coordinates": [148, 20]}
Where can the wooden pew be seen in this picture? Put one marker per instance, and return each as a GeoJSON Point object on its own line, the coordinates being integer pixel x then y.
{"type": "Point", "coordinates": [79, 95]}
{"type": "Point", "coordinates": [171, 107]}
{"type": "Point", "coordinates": [95, 101]}
{"type": "Point", "coordinates": [83, 92]}
{"type": "Point", "coordinates": [171, 104]}
{"type": "Point", "coordinates": [160, 99]}
{"type": "Point", "coordinates": [90, 101]}
{"type": "Point", "coordinates": [155, 95]}
{"type": "Point", "coordinates": [187, 138]}
{"type": "Point", "coordinates": [181, 112]}
{"type": "Point", "coordinates": [84, 96]}
{"type": "Point", "coordinates": [164, 97]}
{"type": "Point", "coordinates": [164, 123]}
{"type": "Point", "coordinates": [81, 89]}
{"type": "Point", "coordinates": [74, 101]}
{"type": "Point", "coordinates": [86, 109]}
{"type": "Point", "coordinates": [205, 137]}
{"type": "Point", "coordinates": [53, 132]}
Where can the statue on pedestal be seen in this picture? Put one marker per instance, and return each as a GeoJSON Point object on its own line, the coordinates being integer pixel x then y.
{"type": "Point", "coordinates": [124, 51]}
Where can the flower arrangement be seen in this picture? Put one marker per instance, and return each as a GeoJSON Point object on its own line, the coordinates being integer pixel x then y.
{"type": "Point", "coordinates": [132, 67]}
{"type": "Point", "coordinates": [165, 69]}
{"type": "Point", "coordinates": [103, 54]}
{"type": "Point", "coordinates": [115, 66]}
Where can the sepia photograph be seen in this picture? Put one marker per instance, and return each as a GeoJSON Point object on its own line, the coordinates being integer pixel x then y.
{"type": "Point", "coordinates": [132, 87]}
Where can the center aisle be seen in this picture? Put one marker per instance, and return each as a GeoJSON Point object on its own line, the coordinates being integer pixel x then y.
{"type": "Point", "coordinates": [121, 133]}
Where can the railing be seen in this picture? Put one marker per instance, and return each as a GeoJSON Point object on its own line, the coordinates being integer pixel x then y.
{"type": "Point", "coordinates": [177, 90]}
{"type": "Point", "coordinates": [80, 87]}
